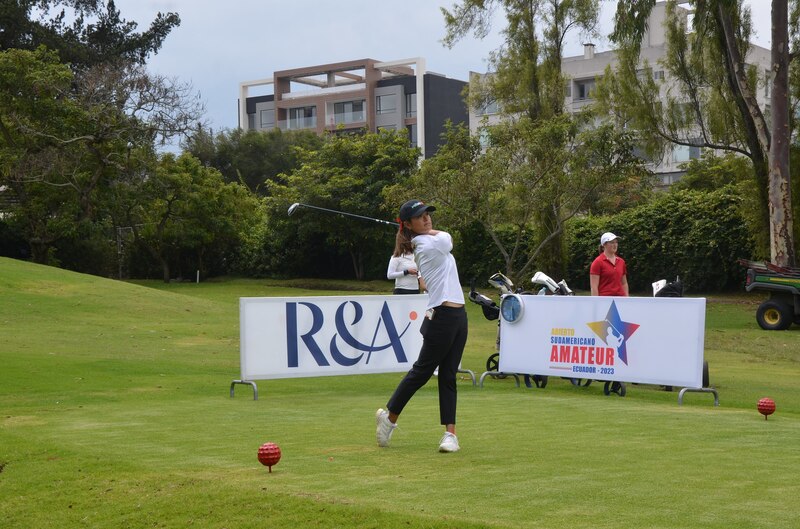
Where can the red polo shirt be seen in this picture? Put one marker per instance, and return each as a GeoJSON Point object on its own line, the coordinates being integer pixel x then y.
{"type": "Point", "coordinates": [610, 275]}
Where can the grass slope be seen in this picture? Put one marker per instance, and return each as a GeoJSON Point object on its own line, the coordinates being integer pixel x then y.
{"type": "Point", "coordinates": [115, 412]}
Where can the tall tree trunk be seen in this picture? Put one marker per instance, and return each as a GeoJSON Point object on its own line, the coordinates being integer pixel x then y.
{"type": "Point", "coordinates": [780, 192]}
{"type": "Point", "coordinates": [164, 268]}
{"type": "Point", "coordinates": [756, 129]}
{"type": "Point", "coordinates": [358, 264]}
{"type": "Point", "coordinates": [40, 251]}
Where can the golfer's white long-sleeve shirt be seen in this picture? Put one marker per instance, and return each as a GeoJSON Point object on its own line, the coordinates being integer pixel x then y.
{"type": "Point", "coordinates": [438, 266]}
{"type": "Point", "coordinates": [396, 271]}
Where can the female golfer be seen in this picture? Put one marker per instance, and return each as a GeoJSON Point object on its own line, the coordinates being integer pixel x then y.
{"type": "Point", "coordinates": [444, 328]}
{"type": "Point", "coordinates": [403, 268]}
{"type": "Point", "coordinates": [608, 274]}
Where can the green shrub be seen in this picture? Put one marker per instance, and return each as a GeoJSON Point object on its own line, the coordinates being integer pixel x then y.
{"type": "Point", "coordinates": [692, 234]}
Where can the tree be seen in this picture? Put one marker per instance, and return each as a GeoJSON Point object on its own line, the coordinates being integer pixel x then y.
{"type": "Point", "coordinates": [185, 212]}
{"type": "Point", "coordinates": [526, 71]}
{"type": "Point", "coordinates": [528, 86]}
{"type": "Point", "coordinates": [713, 172]}
{"type": "Point", "coordinates": [252, 157]}
{"type": "Point", "coordinates": [552, 166]}
{"type": "Point", "coordinates": [712, 95]}
{"type": "Point", "coordinates": [66, 138]}
{"type": "Point", "coordinates": [348, 173]}
{"type": "Point", "coordinates": [34, 90]}
{"type": "Point", "coordinates": [84, 32]}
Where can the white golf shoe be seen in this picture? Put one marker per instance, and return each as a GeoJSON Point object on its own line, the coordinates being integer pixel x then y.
{"type": "Point", "coordinates": [385, 427]}
{"type": "Point", "coordinates": [449, 443]}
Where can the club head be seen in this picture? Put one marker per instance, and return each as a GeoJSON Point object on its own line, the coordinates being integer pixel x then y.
{"type": "Point", "coordinates": [502, 283]}
{"type": "Point", "coordinates": [658, 285]}
{"type": "Point", "coordinates": [540, 278]}
{"type": "Point", "coordinates": [292, 208]}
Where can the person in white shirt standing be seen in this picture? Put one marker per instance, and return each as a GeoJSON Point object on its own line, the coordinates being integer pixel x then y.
{"type": "Point", "coordinates": [444, 328]}
{"type": "Point", "coordinates": [403, 268]}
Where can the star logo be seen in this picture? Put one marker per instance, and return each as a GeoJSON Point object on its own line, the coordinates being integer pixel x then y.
{"type": "Point", "coordinates": [615, 332]}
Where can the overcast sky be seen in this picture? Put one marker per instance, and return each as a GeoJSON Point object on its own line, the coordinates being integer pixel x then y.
{"type": "Point", "coordinates": [221, 43]}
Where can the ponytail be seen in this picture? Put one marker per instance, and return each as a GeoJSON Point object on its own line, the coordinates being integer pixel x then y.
{"type": "Point", "coordinates": [402, 243]}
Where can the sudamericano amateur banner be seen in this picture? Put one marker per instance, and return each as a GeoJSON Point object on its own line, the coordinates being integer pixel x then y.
{"type": "Point", "coordinates": [329, 335]}
{"type": "Point", "coordinates": [627, 339]}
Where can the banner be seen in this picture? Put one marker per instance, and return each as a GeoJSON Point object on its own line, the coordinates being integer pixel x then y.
{"type": "Point", "coordinates": [329, 335]}
{"type": "Point", "coordinates": [627, 339]}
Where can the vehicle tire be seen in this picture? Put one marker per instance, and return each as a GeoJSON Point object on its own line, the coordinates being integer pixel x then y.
{"type": "Point", "coordinates": [705, 375]}
{"type": "Point", "coordinates": [579, 382]}
{"type": "Point", "coordinates": [774, 315]}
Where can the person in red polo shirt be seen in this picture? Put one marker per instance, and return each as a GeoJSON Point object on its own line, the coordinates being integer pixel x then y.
{"type": "Point", "coordinates": [608, 275]}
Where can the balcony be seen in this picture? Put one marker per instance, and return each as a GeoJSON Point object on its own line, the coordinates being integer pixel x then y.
{"type": "Point", "coordinates": [298, 123]}
{"type": "Point", "coordinates": [346, 118]}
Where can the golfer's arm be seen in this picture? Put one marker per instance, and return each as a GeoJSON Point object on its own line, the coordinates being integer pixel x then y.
{"type": "Point", "coordinates": [625, 284]}
{"type": "Point", "coordinates": [392, 272]}
{"type": "Point", "coordinates": [594, 282]}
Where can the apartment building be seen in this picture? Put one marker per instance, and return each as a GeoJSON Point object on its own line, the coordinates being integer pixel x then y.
{"type": "Point", "coordinates": [583, 71]}
{"type": "Point", "coordinates": [357, 95]}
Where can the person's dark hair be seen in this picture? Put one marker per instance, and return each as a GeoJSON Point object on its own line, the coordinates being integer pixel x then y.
{"type": "Point", "coordinates": [402, 241]}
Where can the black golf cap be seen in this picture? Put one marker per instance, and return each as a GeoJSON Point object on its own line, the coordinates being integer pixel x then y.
{"type": "Point", "coordinates": [414, 208]}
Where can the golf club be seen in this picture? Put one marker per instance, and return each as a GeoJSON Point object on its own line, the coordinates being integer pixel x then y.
{"type": "Point", "coordinates": [296, 205]}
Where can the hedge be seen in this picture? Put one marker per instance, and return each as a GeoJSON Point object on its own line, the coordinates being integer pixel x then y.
{"type": "Point", "coordinates": [692, 234]}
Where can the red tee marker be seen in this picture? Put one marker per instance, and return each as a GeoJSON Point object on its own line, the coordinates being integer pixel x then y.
{"type": "Point", "coordinates": [269, 454]}
{"type": "Point", "coordinates": [766, 406]}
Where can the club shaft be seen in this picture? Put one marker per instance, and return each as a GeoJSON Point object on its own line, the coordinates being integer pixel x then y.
{"type": "Point", "coordinates": [335, 212]}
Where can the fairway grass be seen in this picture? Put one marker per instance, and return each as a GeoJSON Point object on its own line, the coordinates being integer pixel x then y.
{"type": "Point", "coordinates": [115, 412]}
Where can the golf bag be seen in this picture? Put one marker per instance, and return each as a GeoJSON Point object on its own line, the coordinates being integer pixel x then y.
{"type": "Point", "coordinates": [491, 311]}
{"type": "Point", "coordinates": [664, 289]}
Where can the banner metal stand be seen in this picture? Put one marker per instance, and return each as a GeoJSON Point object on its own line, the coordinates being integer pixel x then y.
{"type": "Point", "coordinates": [699, 390]}
{"type": "Point", "coordinates": [470, 373]}
{"type": "Point", "coordinates": [246, 382]}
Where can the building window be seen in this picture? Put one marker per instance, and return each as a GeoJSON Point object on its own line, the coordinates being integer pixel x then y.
{"type": "Point", "coordinates": [483, 138]}
{"type": "Point", "coordinates": [684, 153]}
{"type": "Point", "coordinates": [251, 121]}
{"type": "Point", "coordinates": [669, 179]}
{"type": "Point", "coordinates": [488, 108]}
{"type": "Point", "coordinates": [267, 119]}
{"type": "Point", "coordinates": [386, 104]}
{"type": "Point", "coordinates": [584, 89]}
{"type": "Point", "coordinates": [411, 105]}
{"type": "Point", "coordinates": [348, 112]}
{"type": "Point", "coordinates": [302, 118]}
{"type": "Point", "coordinates": [644, 73]}
{"type": "Point", "coordinates": [412, 133]}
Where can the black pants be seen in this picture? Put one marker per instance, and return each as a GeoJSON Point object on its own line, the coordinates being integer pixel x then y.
{"type": "Point", "coordinates": [443, 343]}
{"type": "Point", "coordinates": [405, 291]}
